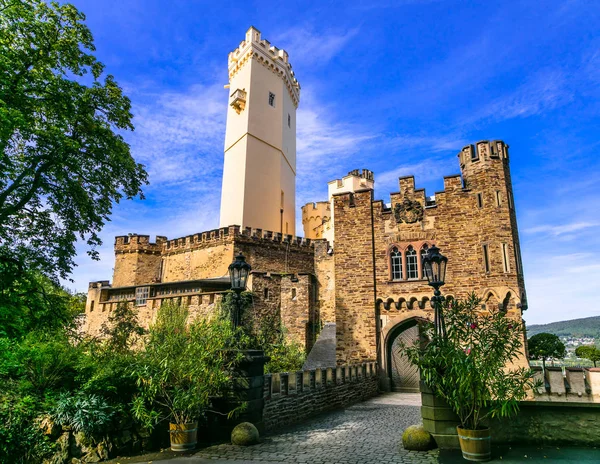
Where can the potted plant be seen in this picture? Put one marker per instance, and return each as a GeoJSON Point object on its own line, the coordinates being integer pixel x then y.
{"type": "Point", "coordinates": [471, 369]}
{"type": "Point", "coordinates": [181, 367]}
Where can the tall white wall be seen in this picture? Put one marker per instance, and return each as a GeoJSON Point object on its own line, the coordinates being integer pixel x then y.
{"type": "Point", "coordinates": [260, 146]}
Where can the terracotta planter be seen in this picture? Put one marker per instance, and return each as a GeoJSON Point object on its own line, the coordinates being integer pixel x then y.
{"type": "Point", "coordinates": [475, 444]}
{"type": "Point", "coordinates": [184, 437]}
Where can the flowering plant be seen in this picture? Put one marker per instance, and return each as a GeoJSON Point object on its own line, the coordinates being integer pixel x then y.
{"type": "Point", "coordinates": [471, 368]}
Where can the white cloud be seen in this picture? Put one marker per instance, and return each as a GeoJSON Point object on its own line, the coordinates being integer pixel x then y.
{"type": "Point", "coordinates": [558, 230]}
{"type": "Point", "coordinates": [306, 46]}
{"type": "Point", "coordinates": [179, 136]}
{"type": "Point", "coordinates": [544, 91]}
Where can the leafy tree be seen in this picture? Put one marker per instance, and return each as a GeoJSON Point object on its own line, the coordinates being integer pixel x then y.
{"type": "Point", "coordinates": [30, 301]}
{"type": "Point", "coordinates": [545, 346]}
{"type": "Point", "coordinates": [63, 160]}
{"type": "Point", "coordinates": [590, 352]}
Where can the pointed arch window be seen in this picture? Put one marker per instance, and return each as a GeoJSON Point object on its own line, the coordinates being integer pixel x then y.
{"type": "Point", "coordinates": [412, 267]}
{"type": "Point", "coordinates": [396, 263]}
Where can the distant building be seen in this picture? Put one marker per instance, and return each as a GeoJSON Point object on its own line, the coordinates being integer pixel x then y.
{"type": "Point", "coordinates": [358, 269]}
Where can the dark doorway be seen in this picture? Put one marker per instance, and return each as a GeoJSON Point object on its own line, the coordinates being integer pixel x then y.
{"type": "Point", "coordinates": [404, 375]}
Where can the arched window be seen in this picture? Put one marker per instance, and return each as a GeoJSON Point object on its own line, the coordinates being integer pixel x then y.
{"type": "Point", "coordinates": [423, 253]}
{"type": "Point", "coordinates": [412, 268]}
{"type": "Point", "coordinates": [396, 264]}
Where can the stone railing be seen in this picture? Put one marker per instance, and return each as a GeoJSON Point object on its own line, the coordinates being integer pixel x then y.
{"type": "Point", "coordinates": [571, 384]}
{"type": "Point", "coordinates": [292, 397]}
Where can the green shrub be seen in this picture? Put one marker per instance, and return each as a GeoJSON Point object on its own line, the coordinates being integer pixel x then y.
{"type": "Point", "coordinates": [21, 440]}
{"type": "Point", "coordinates": [468, 367]}
{"type": "Point", "coordinates": [90, 414]}
{"type": "Point", "coordinates": [182, 366]}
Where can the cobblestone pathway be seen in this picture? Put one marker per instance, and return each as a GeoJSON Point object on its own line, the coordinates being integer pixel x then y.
{"type": "Point", "coordinates": [368, 432]}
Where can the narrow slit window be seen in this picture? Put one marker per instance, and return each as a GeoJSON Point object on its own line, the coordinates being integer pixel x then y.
{"type": "Point", "coordinates": [486, 259]}
{"type": "Point", "coordinates": [479, 200]}
{"type": "Point", "coordinates": [293, 293]}
{"type": "Point", "coordinates": [272, 99]}
{"type": "Point", "coordinates": [266, 293]}
{"type": "Point", "coordinates": [396, 264]}
{"type": "Point", "coordinates": [92, 306]}
{"type": "Point", "coordinates": [289, 120]}
{"type": "Point", "coordinates": [505, 257]}
{"type": "Point", "coordinates": [423, 254]}
{"type": "Point", "coordinates": [412, 269]}
{"type": "Point", "coordinates": [498, 199]}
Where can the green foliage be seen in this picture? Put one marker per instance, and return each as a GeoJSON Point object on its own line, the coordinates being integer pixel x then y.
{"type": "Point", "coordinates": [584, 327]}
{"type": "Point", "coordinates": [286, 355]}
{"type": "Point", "coordinates": [40, 363]}
{"type": "Point", "coordinates": [468, 369]}
{"type": "Point", "coordinates": [590, 352]}
{"type": "Point", "coordinates": [122, 329]}
{"type": "Point", "coordinates": [90, 414]}
{"type": "Point", "coordinates": [546, 346]}
{"type": "Point", "coordinates": [182, 366]}
{"type": "Point", "coordinates": [264, 332]}
{"type": "Point", "coordinates": [21, 440]}
{"type": "Point", "coordinates": [30, 302]}
{"type": "Point", "coordinates": [62, 159]}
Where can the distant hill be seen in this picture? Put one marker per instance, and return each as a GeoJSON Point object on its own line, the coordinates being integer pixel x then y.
{"type": "Point", "coordinates": [585, 327]}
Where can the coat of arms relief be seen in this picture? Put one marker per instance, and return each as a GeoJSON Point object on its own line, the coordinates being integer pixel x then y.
{"type": "Point", "coordinates": [409, 211]}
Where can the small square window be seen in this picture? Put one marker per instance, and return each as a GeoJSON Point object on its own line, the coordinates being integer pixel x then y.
{"type": "Point", "coordinates": [141, 295]}
{"type": "Point", "coordinates": [272, 99]}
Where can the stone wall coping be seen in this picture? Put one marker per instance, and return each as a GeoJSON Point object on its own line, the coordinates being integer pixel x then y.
{"type": "Point", "coordinates": [558, 404]}
{"type": "Point", "coordinates": [278, 384]}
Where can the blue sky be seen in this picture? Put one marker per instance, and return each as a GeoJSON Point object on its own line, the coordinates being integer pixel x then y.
{"type": "Point", "coordinates": [396, 87]}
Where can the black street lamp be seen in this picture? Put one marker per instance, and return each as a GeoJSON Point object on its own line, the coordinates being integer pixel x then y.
{"type": "Point", "coordinates": [239, 270]}
{"type": "Point", "coordinates": [434, 267]}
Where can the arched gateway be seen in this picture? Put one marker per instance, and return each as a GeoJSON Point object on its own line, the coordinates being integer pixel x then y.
{"type": "Point", "coordinates": [402, 374]}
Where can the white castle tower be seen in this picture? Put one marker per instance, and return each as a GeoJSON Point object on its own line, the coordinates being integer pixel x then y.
{"type": "Point", "coordinates": [259, 174]}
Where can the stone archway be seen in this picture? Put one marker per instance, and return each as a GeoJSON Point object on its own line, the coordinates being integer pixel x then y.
{"type": "Point", "coordinates": [403, 375]}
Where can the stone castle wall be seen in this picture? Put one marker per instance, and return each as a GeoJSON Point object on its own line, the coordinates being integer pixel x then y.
{"type": "Point", "coordinates": [292, 397]}
{"type": "Point", "coordinates": [459, 221]}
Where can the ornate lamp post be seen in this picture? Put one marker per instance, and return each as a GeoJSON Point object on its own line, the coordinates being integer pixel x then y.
{"type": "Point", "coordinates": [434, 266]}
{"type": "Point", "coordinates": [239, 270]}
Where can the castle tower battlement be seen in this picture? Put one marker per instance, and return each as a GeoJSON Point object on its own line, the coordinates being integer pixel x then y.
{"type": "Point", "coordinates": [276, 59]}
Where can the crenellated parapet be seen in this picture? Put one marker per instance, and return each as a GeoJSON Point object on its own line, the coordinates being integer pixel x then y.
{"type": "Point", "coordinates": [134, 243]}
{"type": "Point", "coordinates": [480, 155]}
{"type": "Point", "coordinates": [229, 235]}
{"type": "Point", "coordinates": [355, 180]}
{"type": "Point", "coordinates": [273, 58]}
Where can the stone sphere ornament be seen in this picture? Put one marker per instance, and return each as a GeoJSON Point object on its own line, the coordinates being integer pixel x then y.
{"type": "Point", "coordinates": [416, 438]}
{"type": "Point", "coordinates": [244, 434]}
